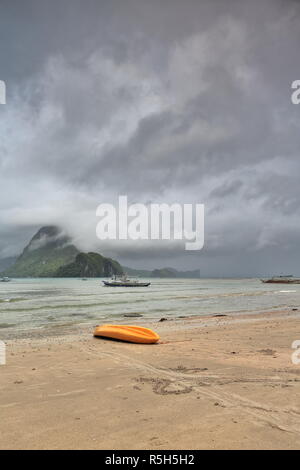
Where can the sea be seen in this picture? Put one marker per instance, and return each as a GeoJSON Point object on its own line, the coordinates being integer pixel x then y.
{"type": "Point", "coordinates": [41, 305]}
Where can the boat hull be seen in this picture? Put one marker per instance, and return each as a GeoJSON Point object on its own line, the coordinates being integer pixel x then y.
{"type": "Point", "coordinates": [125, 284]}
{"type": "Point", "coordinates": [277, 281]}
{"type": "Point", "coordinates": [128, 333]}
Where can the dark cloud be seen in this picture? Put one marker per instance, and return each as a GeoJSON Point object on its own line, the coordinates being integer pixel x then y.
{"type": "Point", "coordinates": [163, 101]}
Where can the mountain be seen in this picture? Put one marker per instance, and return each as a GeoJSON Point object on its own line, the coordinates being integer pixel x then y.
{"type": "Point", "coordinates": [50, 253]}
{"type": "Point", "coordinates": [164, 272]}
{"type": "Point", "coordinates": [90, 265]}
{"type": "Point", "coordinates": [47, 251]}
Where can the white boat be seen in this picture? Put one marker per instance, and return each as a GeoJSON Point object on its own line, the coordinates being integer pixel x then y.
{"type": "Point", "coordinates": [123, 281]}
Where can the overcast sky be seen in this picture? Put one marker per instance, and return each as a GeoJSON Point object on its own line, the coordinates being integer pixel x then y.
{"type": "Point", "coordinates": [164, 101]}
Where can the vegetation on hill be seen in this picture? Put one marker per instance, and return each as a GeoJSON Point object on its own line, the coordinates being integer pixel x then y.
{"type": "Point", "coordinates": [90, 265]}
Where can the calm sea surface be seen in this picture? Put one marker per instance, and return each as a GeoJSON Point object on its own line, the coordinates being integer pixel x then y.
{"type": "Point", "coordinates": [27, 304]}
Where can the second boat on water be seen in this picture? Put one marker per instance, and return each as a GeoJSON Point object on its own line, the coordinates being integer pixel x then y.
{"type": "Point", "coordinates": [281, 280]}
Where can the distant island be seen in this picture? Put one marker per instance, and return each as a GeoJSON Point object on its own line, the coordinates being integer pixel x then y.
{"type": "Point", "coordinates": [51, 253]}
{"type": "Point", "coordinates": [163, 272]}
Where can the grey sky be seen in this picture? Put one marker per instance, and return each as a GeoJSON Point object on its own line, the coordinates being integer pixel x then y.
{"type": "Point", "coordinates": [165, 101]}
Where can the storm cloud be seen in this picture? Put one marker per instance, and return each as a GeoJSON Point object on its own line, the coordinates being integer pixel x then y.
{"type": "Point", "coordinates": [167, 101]}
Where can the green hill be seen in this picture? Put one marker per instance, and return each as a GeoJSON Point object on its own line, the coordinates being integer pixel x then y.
{"type": "Point", "coordinates": [90, 265]}
{"type": "Point", "coordinates": [42, 257]}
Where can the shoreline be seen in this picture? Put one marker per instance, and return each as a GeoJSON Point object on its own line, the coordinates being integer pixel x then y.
{"type": "Point", "coordinates": [210, 383]}
{"type": "Point", "coordinates": [181, 322]}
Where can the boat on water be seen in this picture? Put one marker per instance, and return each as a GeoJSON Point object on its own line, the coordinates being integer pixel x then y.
{"type": "Point", "coordinates": [5, 279]}
{"type": "Point", "coordinates": [289, 279]}
{"type": "Point", "coordinates": [124, 281]}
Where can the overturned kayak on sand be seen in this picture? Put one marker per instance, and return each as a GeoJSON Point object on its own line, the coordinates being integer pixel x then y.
{"type": "Point", "coordinates": [132, 334]}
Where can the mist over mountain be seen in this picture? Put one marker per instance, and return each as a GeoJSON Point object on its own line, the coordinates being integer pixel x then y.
{"type": "Point", "coordinates": [48, 249]}
{"type": "Point", "coordinates": [51, 253]}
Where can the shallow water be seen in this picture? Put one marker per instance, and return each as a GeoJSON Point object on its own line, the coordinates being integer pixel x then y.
{"type": "Point", "coordinates": [27, 304]}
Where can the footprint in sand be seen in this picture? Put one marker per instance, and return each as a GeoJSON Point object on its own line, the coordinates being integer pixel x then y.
{"type": "Point", "coordinates": [166, 386]}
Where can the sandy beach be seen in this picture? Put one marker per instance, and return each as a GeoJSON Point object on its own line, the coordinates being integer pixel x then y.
{"type": "Point", "coordinates": [211, 383]}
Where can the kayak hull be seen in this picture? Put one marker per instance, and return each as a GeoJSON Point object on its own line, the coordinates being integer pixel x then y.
{"type": "Point", "coordinates": [129, 333]}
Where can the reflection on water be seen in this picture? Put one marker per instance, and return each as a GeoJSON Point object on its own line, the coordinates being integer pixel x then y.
{"type": "Point", "coordinates": [36, 303]}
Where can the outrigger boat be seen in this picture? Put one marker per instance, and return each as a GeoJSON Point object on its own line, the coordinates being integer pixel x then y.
{"type": "Point", "coordinates": [123, 281]}
{"type": "Point", "coordinates": [281, 280]}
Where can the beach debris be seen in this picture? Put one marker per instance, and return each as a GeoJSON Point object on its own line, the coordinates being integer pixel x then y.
{"type": "Point", "coordinates": [188, 370]}
{"type": "Point", "coordinates": [267, 352]}
{"type": "Point", "coordinates": [294, 309]}
{"type": "Point", "coordinates": [18, 381]}
{"type": "Point", "coordinates": [133, 315]}
{"type": "Point", "coordinates": [220, 315]}
{"type": "Point", "coordinates": [163, 319]}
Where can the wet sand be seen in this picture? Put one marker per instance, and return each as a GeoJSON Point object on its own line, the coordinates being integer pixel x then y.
{"type": "Point", "coordinates": [211, 383]}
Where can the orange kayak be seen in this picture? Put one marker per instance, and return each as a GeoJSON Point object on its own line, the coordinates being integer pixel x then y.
{"type": "Point", "coordinates": [133, 334]}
